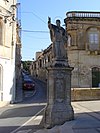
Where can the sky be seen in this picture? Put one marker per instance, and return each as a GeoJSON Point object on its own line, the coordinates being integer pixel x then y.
{"type": "Point", "coordinates": [34, 17]}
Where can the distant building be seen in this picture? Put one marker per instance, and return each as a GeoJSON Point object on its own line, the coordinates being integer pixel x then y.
{"type": "Point", "coordinates": [83, 49]}
{"type": "Point", "coordinates": [9, 45]}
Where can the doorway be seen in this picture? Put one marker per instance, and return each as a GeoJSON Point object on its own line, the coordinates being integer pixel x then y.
{"type": "Point", "coordinates": [95, 77]}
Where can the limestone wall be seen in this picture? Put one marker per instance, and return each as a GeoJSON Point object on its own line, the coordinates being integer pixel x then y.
{"type": "Point", "coordinates": [82, 94]}
{"type": "Point", "coordinates": [83, 64]}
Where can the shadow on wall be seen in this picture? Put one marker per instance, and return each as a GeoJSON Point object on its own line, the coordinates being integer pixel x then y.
{"type": "Point", "coordinates": [16, 90]}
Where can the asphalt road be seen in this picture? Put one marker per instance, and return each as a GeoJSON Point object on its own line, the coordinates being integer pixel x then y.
{"type": "Point", "coordinates": [18, 118]}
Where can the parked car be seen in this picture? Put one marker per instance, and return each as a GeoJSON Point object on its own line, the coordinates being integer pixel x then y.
{"type": "Point", "coordinates": [26, 78]}
{"type": "Point", "coordinates": [28, 85]}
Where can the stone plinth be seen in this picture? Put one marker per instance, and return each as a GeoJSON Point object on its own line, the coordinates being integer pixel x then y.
{"type": "Point", "coordinates": [59, 109]}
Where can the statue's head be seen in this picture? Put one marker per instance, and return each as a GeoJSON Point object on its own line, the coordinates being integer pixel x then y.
{"type": "Point", "coordinates": [58, 22]}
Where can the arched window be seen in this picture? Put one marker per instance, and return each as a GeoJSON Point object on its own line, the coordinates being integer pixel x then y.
{"type": "Point", "coordinates": [0, 78]}
{"type": "Point", "coordinates": [93, 39]}
{"type": "Point", "coordinates": [1, 32]}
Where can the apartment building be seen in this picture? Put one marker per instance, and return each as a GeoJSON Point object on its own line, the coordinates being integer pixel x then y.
{"type": "Point", "coordinates": [9, 42]}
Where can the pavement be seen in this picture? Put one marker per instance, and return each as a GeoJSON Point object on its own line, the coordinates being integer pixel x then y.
{"type": "Point", "coordinates": [87, 119]}
{"type": "Point", "coordinates": [2, 104]}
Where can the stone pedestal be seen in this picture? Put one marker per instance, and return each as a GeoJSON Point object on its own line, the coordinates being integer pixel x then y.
{"type": "Point", "coordinates": [58, 109]}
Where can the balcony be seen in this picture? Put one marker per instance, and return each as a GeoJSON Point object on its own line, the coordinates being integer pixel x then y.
{"type": "Point", "coordinates": [83, 14]}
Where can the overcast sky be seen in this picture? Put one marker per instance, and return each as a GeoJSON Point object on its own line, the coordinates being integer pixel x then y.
{"type": "Point", "coordinates": [34, 17]}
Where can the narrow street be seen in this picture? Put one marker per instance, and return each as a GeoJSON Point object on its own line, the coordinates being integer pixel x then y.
{"type": "Point", "coordinates": [17, 117]}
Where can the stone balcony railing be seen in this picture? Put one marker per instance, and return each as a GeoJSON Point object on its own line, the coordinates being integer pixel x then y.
{"type": "Point", "coordinates": [83, 14]}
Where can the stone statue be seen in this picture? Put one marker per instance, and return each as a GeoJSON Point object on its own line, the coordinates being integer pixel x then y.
{"type": "Point", "coordinates": [59, 38]}
{"type": "Point", "coordinates": [58, 109]}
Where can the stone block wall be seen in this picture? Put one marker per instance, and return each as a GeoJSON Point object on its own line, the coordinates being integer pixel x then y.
{"type": "Point", "coordinates": [83, 94]}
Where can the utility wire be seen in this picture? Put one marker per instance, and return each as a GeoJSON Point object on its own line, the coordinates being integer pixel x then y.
{"type": "Point", "coordinates": [35, 37]}
{"type": "Point", "coordinates": [36, 16]}
{"type": "Point", "coordinates": [34, 31]}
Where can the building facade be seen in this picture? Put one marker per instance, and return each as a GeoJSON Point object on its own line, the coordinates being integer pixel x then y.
{"type": "Point", "coordinates": [83, 30]}
{"type": "Point", "coordinates": [8, 40]}
{"type": "Point", "coordinates": [83, 50]}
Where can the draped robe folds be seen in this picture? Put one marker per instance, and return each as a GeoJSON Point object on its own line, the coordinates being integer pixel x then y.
{"type": "Point", "coordinates": [58, 37]}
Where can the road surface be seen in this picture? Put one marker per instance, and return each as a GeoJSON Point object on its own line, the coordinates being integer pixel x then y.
{"type": "Point", "coordinates": [18, 118]}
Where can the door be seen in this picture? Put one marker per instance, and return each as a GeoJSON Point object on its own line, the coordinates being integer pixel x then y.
{"type": "Point", "coordinates": [95, 77]}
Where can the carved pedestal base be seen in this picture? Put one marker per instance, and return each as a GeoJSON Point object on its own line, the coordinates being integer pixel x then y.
{"type": "Point", "coordinates": [59, 109]}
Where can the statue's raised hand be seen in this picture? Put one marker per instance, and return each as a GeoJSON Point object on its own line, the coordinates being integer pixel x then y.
{"type": "Point", "coordinates": [49, 20]}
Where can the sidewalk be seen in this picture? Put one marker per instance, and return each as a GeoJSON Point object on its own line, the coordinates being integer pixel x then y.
{"type": "Point", "coordinates": [2, 104]}
{"type": "Point", "coordinates": [87, 119]}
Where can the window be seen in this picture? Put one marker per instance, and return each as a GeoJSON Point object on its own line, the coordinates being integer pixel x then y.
{"type": "Point", "coordinates": [93, 36]}
{"type": "Point", "coordinates": [69, 40]}
{"type": "Point", "coordinates": [0, 78]}
{"type": "Point", "coordinates": [1, 86]}
{"type": "Point", "coordinates": [0, 32]}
